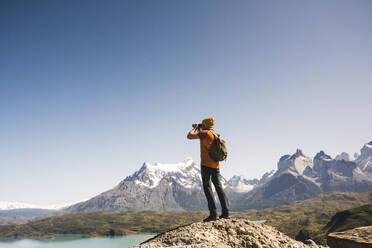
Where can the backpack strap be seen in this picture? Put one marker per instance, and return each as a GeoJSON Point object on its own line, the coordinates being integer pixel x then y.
{"type": "Point", "coordinates": [215, 135]}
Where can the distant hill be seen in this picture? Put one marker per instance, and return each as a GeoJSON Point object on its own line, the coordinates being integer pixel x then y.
{"type": "Point", "coordinates": [345, 220]}
{"type": "Point", "coordinates": [102, 224]}
{"type": "Point", "coordinates": [16, 220]}
{"type": "Point", "coordinates": [22, 215]}
{"type": "Point", "coordinates": [25, 212]}
{"type": "Point", "coordinates": [310, 215]}
{"type": "Point", "coordinates": [356, 217]}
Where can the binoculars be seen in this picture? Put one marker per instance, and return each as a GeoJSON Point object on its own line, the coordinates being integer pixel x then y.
{"type": "Point", "coordinates": [197, 126]}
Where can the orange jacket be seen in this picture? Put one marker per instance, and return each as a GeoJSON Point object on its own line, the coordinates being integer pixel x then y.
{"type": "Point", "coordinates": [206, 140]}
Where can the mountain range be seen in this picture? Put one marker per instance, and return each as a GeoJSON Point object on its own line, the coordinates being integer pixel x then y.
{"type": "Point", "coordinates": [178, 187]}
{"type": "Point", "coordinates": [161, 187]}
{"type": "Point", "coordinates": [298, 178]}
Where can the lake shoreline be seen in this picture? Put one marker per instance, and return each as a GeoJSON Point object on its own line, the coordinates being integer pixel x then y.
{"type": "Point", "coordinates": [76, 241]}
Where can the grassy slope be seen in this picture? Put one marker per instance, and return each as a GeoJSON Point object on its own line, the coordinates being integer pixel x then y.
{"type": "Point", "coordinates": [345, 220]}
{"type": "Point", "coordinates": [360, 216]}
{"type": "Point", "coordinates": [102, 223]}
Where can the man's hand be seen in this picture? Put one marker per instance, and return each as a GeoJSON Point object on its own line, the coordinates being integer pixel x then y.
{"type": "Point", "coordinates": [193, 133]}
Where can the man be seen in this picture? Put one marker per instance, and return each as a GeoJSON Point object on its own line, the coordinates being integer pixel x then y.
{"type": "Point", "coordinates": [209, 168]}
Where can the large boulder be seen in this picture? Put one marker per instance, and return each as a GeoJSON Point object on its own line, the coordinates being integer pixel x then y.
{"type": "Point", "coordinates": [231, 233]}
{"type": "Point", "coordinates": [360, 237]}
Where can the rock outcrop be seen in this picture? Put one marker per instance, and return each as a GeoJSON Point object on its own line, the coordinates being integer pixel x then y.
{"type": "Point", "coordinates": [231, 233]}
{"type": "Point", "coordinates": [360, 237]}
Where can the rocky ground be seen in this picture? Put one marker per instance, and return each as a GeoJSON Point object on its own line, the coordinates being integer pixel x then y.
{"type": "Point", "coordinates": [232, 233]}
{"type": "Point", "coordinates": [360, 237]}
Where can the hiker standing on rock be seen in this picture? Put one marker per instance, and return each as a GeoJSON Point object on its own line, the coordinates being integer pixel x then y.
{"type": "Point", "coordinates": [210, 167]}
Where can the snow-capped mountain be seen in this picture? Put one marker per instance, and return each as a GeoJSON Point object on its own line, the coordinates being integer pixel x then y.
{"type": "Point", "coordinates": [241, 184]}
{"type": "Point", "coordinates": [364, 160]}
{"type": "Point", "coordinates": [186, 174]}
{"type": "Point", "coordinates": [161, 187]}
{"type": "Point", "coordinates": [294, 164]}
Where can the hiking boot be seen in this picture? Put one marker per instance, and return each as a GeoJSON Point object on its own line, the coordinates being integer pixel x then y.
{"type": "Point", "coordinates": [210, 218]}
{"type": "Point", "coordinates": [225, 215]}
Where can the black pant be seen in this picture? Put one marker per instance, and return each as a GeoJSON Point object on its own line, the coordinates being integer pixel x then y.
{"type": "Point", "coordinates": [207, 174]}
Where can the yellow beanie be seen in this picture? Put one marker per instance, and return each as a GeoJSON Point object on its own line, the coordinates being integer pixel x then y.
{"type": "Point", "coordinates": [208, 122]}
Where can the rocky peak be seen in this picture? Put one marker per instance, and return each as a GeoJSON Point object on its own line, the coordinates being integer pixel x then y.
{"type": "Point", "coordinates": [224, 233]}
{"type": "Point", "coordinates": [326, 168]}
{"type": "Point", "coordinates": [241, 184]}
{"type": "Point", "coordinates": [284, 157]}
{"type": "Point", "coordinates": [266, 177]}
{"type": "Point", "coordinates": [343, 156]}
{"type": "Point", "coordinates": [235, 180]}
{"type": "Point", "coordinates": [366, 149]}
{"type": "Point", "coordinates": [143, 169]}
{"type": "Point", "coordinates": [364, 161]}
{"type": "Point", "coordinates": [356, 155]}
{"type": "Point", "coordinates": [295, 164]}
{"type": "Point", "coordinates": [297, 154]}
{"type": "Point", "coordinates": [321, 159]}
{"type": "Point", "coordinates": [322, 155]}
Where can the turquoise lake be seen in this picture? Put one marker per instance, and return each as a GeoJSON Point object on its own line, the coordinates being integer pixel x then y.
{"type": "Point", "coordinates": [75, 241]}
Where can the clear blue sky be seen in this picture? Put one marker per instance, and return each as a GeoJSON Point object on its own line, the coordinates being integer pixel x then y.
{"type": "Point", "coordinates": [89, 90]}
